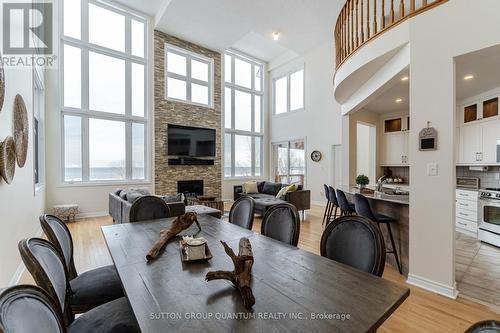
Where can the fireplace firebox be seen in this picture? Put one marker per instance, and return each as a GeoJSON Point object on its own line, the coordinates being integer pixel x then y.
{"type": "Point", "coordinates": [190, 188]}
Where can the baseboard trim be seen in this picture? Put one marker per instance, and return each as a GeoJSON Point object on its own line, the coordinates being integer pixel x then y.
{"type": "Point", "coordinates": [91, 214]}
{"type": "Point", "coordinates": [21, 268]}
{"type": "Point", "coordinates": [436, 287]}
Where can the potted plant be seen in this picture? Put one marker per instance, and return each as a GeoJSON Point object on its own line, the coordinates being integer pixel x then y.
{"type": "Point", "coordinates": [362, 181]}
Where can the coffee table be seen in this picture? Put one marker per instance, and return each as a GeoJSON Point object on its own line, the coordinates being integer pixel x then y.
{"type": "Point", "coordinates": [202, 209]}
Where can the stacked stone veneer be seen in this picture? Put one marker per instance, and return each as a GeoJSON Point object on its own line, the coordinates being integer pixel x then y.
{"type": "Point", "coordinates": [170, 112]}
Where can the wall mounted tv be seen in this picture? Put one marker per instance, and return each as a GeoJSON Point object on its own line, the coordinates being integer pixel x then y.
{"type": "Point", "coordinates": [184, 141]}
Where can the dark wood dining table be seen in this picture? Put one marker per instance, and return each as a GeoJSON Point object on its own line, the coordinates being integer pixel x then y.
{"type": "Point", "coordinates": [295, 290]}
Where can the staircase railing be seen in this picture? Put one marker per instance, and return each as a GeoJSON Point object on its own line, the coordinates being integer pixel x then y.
{"type": "Point", "coordinates": [360, 21]}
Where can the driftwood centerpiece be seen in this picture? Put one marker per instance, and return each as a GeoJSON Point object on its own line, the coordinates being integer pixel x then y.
{"type": "Point", "coordinates": [242, 274]}
{"type": "Point", "coordinates": [181, 223]}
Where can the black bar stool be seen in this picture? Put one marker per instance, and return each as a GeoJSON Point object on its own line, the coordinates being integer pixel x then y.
{"type": "Point", "coordinates": [328, 204]}
{"type": "Point", "coordinates": [363, 208]}
{"type": "Point", "coordinates": [346, 208]}
{"type": "Point", "coordinates": [335, 204]}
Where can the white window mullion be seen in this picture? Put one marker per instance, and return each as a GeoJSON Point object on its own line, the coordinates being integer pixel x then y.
{"type": "Point", "coordinates": [128, 150]}
{"type": "Point", "coordinates": [288, 97]}
{"type": "Point", "coordinates": [85, 149]}
{"type": "Point", "coordinates": [233, 159]}
{"type": "Point", "coordinates": [188, 79]}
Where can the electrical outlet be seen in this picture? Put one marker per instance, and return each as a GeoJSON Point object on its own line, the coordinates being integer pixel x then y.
{"type": "Point", "coordinates": [432, 169]}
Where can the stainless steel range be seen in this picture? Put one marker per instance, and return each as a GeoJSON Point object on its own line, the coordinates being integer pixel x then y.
{"type": "Point", "coordinates": [489, 216]}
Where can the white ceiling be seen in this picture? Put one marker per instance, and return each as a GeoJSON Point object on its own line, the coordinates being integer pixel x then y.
{"type": "Point", "coordinates": [385, 101]}
{"type": "Point", "coordinates": [484, 65]}
{"type": "Point", "coordinates": [246, 25]}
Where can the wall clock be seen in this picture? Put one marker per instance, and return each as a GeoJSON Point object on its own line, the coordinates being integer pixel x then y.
{"type": "Point", "coordinates": [316, 156]}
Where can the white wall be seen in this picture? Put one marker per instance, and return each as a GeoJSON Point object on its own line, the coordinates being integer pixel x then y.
{"type": "Point", "coordinates": [366, 143]}
{"type": "Point", "coordinates": [436, 37]}
{"type": "Point", "coordinates": [320, 123]}
{"type": "Point", "coordinates": [20, 206]}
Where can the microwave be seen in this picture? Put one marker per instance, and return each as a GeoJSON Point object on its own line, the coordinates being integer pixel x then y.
{"type": "Point", "coordinates": [468, 182]}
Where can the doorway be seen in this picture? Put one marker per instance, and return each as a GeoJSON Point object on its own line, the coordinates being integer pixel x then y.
{"type": "Point", "coordinates": [366, 151]}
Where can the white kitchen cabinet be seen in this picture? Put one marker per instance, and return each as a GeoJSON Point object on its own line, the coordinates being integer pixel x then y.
{"type": "Point", "coordinates": [470, 144]}
{"type": "Point", "coordinates": [395, 148]}
{"type": "Point", "coordinates": [490, 138]}
{"type": "Point", "coordinates": [467, 211]}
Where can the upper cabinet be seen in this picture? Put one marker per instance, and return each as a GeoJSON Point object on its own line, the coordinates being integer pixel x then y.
{"type": "Point", "coordinates": [396, 124]}
{"type": "Point", "coordinates": [394, 145]}
{"type": "Point", "coordinates": [484, 109]}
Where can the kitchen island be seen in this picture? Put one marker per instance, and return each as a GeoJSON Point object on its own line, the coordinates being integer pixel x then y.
{"type": "Point", "coordinates": [397, 207]}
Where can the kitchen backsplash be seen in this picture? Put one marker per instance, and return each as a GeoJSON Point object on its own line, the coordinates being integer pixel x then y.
{"type": "Point", "coordinates": [403, 172]}
{"type": "Point", "coordinates": [486, 178]}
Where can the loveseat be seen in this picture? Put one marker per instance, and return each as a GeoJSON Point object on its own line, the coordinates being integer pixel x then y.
{"type": "Point", "coordinates": [122, 200]}
{"type": "Point", "coordinates": [265, 197]}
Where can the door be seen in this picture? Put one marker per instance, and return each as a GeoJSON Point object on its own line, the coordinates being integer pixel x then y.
{"type": "Point", "coordinates": [394, 148]}
{"type": "Point", "coordinates": [490, 140]}
{"type": "Point", "coordinates": [470, 143]}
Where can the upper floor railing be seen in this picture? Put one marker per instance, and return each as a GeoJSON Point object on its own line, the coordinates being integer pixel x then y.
{"type": "Point", "coordinates": [360, 21]}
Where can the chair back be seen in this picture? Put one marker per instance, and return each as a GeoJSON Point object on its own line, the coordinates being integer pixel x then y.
{"type": "Point", "coordinates": [327, 192]}
{"type": "Point", "coordinates": [363, 207]}
{"type": "Point", "coordinates": [58, 234]}
{"type": "Point", "coordinates": [46, 265]}
{"type": "Point", "coordinates": [25, 308]}
{"type": "Point", "coordinates": [333, 196]}
{"type": "Point", "coordinates": [148, 207]}
{"type": "Point", "coordinates": [342, 200]}
{"type": "Point", "coordinates": [241, 213]}
{"type": "Point", "coordinates": [355, 241]}
{"type": "Point", "coordinates": [282, 222]}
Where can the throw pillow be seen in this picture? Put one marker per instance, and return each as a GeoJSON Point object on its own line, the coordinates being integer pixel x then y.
{"type": "Point", "coordinates": [293, 188]}
{"type": "Point", "coordinates": [173, 198]}
{"type": "Point", "coordinates": [250, 187]}
{"type": "Point", "coordinates": [133, 196]}
{"type": "Point", "coordinates": [271, 188]}
{"type": "Point", "coordinates": [282, 192]}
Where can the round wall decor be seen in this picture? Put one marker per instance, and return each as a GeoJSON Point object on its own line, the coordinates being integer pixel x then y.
{"type": "Point", "coordinates": [316, 156]}
{"type": "Point", "coordinates": [21, 129]}
{"type": "Point", "coordinates": [2, 84]}
{"type": "Point", "coordinates": [7, 159]}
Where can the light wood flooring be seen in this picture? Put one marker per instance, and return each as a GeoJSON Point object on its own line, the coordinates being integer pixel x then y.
{"type": "Point", "coordinates": [422, 312]}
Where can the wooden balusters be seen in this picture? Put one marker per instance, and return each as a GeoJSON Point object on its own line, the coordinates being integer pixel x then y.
{"type": "Point", "coordinates": [374, 17]}
{"type": "Point", "coordinates": [352, 24]}
{"type": "Point", "coordinates": [401, 9]}
{"type": "Point", "coordinates": [357, 24]}
{"type": "Point", "coordinates": [424, 3]}
{"type": "Point", "coordinates": [367, 19]}
{"type": "Point", "coordinates": [382, 16]}
{"type": "Point", "coordinates": [392, 11]}
{"type": "Point", "coordinates": [362, 26]}
{"type": "Point", "coordinates": [412, 6]}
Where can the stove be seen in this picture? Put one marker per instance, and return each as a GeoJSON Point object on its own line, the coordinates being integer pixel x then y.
{"type": "Point", "coordinates": [489, 216]}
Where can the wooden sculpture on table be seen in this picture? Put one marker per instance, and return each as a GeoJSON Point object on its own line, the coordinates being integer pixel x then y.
{"type": "Point", "coordinates": [242, 274]}
{"type": "Point", "coordinates": [181, 223]}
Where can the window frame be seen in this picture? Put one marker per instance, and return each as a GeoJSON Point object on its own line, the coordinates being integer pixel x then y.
{"type": "Point", "coordinates": [189, 55]}
{"type": "Point", "coordinates": [39, 132]}
{"type": "Point", "coordinates": [252, 133]}
{"type": "Point", "coordinates": [288, 144]}
{"type": "Point", "coordinates": [288, 75]}
{"type": "Point", "coordinates": [85, 113]}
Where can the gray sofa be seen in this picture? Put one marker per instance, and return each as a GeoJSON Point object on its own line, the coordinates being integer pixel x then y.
{"type": "Point", "coordinates": [266, 198]}
{"type": "Point", "coordinates": [122, 200]}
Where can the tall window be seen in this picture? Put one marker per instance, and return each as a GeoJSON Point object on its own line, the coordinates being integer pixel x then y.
{"type": "Point", "coordinates": [289, 162]}
{"type": "Point", "coordinates": [189, 76]}
{"type": "Point", "coordinates": [38, 127]}
{"type": "Point", "coordinates": [288, 92]}
{"type": "Point", "coordinates": [104, 99]}
{"type": "Point", "coordinates": [243, 115]}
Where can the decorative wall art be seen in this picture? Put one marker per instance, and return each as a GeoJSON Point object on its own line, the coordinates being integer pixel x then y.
{"type": "Point", "coordinates": [7, 159]}
{"type": "Point", "coordinates": [21, 130]}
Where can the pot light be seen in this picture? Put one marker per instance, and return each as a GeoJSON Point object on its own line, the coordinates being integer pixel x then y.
{"type": "Point", "coordinates": [468, 77]}
{"type": "Point", "coordinates": [276, 35]}
{"type": "Point", "coordinates": [404, 78]}
{"type": "Point", "coordinates": [398, 100]}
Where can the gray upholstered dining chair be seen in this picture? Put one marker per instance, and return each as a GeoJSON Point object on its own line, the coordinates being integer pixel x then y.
{"type": "Point", "coordinates": [46, 265]}
{"type": "Point", "coordinates": [328, 204]}
{"type": "Point", "coordinates": [355, 241]}
{"type": "Point", "coordinates": [334, 206]}
{"type": "Point", "coordinates": [346, 208]}
{"type": "Point", "coordinates": [149, 207]}
{"type": "Point", "coordinates": [91, 288]}
{"type": "Point", "coordinates": [241, 213]}
{"type": "Point", "coordinates": [282, 222]}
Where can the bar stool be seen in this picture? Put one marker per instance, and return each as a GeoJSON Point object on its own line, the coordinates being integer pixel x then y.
{"type": "Point", "coordinates": [346, 208]}
{"type": "Point", "coordinates": [328, 204]}
{"type": "Point", "coordinates": [335, 204]}
{"type": "Point", "coordinates": [363, 208]}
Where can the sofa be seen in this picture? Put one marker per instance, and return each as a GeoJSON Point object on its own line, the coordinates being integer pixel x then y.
{"type": "Point", "coordinates": [266, 196]}
{"type": "Point", "coordinates": [122, 200]}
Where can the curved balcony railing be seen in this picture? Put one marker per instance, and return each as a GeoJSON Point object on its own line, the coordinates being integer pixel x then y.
{"type": "Point", "coordinates": [360, 21]}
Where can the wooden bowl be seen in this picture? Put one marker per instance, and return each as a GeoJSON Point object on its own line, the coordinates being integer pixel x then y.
{"type": "Point", "coordinates": [21, 130]}
{"type": "Point", "coordinates": [7, 159]}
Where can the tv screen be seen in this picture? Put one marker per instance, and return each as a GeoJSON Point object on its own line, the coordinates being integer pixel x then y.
{"type": "Point", "coordinates": [190, 141]}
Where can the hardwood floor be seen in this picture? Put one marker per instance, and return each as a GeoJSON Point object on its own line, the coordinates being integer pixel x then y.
{"type": "Point", "coordinates": [422, 312]}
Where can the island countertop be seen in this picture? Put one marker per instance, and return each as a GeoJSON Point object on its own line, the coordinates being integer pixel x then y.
{"type": "Point", "coordinates": [399, 199]}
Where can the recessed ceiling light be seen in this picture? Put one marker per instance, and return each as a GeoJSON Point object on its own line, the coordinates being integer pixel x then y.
{"type": "Point", "coordinates": [468, 77]}
{"type": "Point", "coordinates": [404, 78]}
{"type": "Point", "coordinates": [276, 35]}
{"type": "Point", "coordinates": [398, 100]}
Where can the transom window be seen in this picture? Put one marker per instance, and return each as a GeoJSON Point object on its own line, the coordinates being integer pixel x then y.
{"type": "Point", "coordinates": [288, 92]}
{"type": "Point", "coordinates": [189, 76]}
{"type": "Point", "coordinates": [289, 162]}
{"type": "Point", "coordinates": [104, 93]}
{"type": "Point", "coordinates": [243, 116]}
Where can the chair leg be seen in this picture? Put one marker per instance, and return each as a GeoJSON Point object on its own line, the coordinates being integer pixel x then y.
{"type": "Point", "coordinates": [327, 209]}
{"type": "Point", "coordinates": [394, 249]}
{"type": "Point", "coordinates": [329, 217]}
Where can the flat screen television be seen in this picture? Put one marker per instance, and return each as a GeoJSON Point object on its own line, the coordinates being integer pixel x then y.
{"type": "Point", "coordinates": [188, 141]}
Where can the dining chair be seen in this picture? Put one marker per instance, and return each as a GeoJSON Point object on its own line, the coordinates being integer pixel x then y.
{"type": "Point", "coordinates": [484, 326]}
{"type": "Point", "coordinates": [346, 208]}
{"type": "Point", "coordinates": [282, 222]}
{"type": "Point", "coordinates": [328, 204]}
{"type": "Point", "coordinates": [241, 213]}
{"type": "Point", "coordinates": [335, 204]}
{"type": "Point", "coordinates": [91, 288]}
{"type": "Point", "coordinates": [363, 208]}
{"type": "Point", "coordinates": [148, 207]}
{"type": "Point", "coordinates": [46, 265]}
{"type": "Point", "coordinates": [354, 241]}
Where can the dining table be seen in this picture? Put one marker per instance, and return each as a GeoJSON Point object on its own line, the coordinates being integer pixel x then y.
{"type": "Point", "coordinates": [295, 290]}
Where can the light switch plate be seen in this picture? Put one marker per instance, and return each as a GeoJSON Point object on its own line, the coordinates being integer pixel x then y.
{"type": "Point", "coordinates": [432, 169]}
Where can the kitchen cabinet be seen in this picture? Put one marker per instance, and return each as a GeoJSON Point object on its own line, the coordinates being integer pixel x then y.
{"type": "Point", "coordinates": [467, 212]}
{"type": "Point", "coordinates": [470, 144]}
{"type": "Point", "coordinates": [479, 110]}
{"type": "Point", "coordinates": [478, 143]}
{"type": "Point", "coordinates": [490, 139]}
{"type": "Point", "coordinates": [395, 149]}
